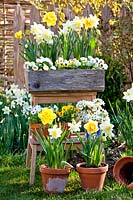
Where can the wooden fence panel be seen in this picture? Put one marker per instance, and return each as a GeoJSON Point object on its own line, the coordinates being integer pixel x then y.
{"type": "Point", "coordinates": [19, 24]}
{"type": "Point", "coordinates": [34, 15]}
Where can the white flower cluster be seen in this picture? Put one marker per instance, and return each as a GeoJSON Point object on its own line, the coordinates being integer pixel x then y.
{"type": "Point", "coordinates": [40, 65]}
{"type": "Point", "coordinates": [128, 95]}
{"type": "Point", "coordinates": [92, 110]}
{"type": "Point", "coordinates": [18, 100]}
{"type": "Point", "coordinates": [41, 34]}
{"type": "Point", "coordinates": [82, 63]}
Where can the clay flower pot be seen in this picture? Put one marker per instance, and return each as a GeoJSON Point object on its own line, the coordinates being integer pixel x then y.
{"type": "Point", "coordinates": [38, 127]}
{"type": "Point", "coordinates": [54, 180]}
{"type": "Point", "coordinates": [92, 178]}
{"type": "Point", "coordinates": [123, 171]}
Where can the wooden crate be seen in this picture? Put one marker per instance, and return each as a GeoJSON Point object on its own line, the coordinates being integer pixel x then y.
{"type": "Point", "coordinates": [65, 80]}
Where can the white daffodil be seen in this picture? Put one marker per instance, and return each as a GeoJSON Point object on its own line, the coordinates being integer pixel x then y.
{"type": "Point", "coordinates": [107, 128]}
{"type": "Point", "coordinates": [48, 36]}
{"type": "Point", "coordinates": [74, 126]}
{"type": "Point", "coordinates": [6, 110]}
{"type": "Point", "coordinates": [94, 21]}
{"type": "Point", "coordinates": [13, 104]}
{"type": "Point", "coordinates": [128, 95]}
{"type": "Point", "coordinates": [76, 24]}
{"type": "Point", "coordinates": [19, 101]}
{"type": "Point", "coordinates": [9, 93]}
{"type": "Point", "coordinates": [55, 132]}
{"type": "Point", "coordinates": [36, 29]}
{"type": "Point", "coordinates": [13, 87]}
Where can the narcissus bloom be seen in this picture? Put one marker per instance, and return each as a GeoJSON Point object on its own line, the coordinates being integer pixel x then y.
{"type": "Point", "coordinates": [50, 18]}
{"type": "Point", "coordinates": [90, 22]}
{"type": "Point", "coordinates": [91, 127]}
{"type": "Point", "coordinates": [47, 116]}
{"type": "Point", "coordinates": [18, 35]}
{"type": "Point", "coordinates": [55, 132]}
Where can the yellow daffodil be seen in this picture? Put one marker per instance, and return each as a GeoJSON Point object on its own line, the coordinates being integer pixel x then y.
{"type": "Point", "coordinates": [50, 18]}
{"type": "Point", "coordinates": [90, 22]}
{"type": "Point", "coordinates": [18, 35]}
{"type": "Point", "coordinates": [91, 127]}
{"type": "Point", "coordinates": [47, 116]}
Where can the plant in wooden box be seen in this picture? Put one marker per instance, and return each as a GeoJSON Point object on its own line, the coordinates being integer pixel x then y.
{"type": "Point", "coordinates": [76, 39]}
{"type": "Point", "coordinates": [92, 172]}
{"type": "Point", "coordinates": [56, 170]}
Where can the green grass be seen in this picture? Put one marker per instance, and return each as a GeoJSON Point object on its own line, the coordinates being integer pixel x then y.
{"type": "Point", "coordinates": [14, 184]}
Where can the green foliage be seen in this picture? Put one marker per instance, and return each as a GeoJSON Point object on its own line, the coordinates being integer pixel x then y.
{"type": "Point", "coordinates": [114, 82]}
{"type": "Point", "coordinates": [92, 150]}
{"type": "Point", "coordinates": [53, 148]}
{"type": "Point", "coordinates": [29, 50]}
{"type": "Point", "coordinates": [123, 116]}
{"type": "Point", "coordinates": [13, 121]}
{"type": "Point", "coordinates": [49, 50]}
{"type": "Point", "coordinates": [14, 133]}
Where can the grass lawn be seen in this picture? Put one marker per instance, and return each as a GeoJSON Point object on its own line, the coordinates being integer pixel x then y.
{"type": "Point", "coordinates": [14, 184]}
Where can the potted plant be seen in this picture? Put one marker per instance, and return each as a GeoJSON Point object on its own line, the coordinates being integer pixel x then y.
{"type": "Point", "coordinates": [35, 123]}
{"type": "Point", "coordinates": [123, 168]}
{"type": "Point", "coordinates": [56, 170]}
{"type": "Point", "coordinates": [50, 55]}
{"type": "Point", "coordinates": [92, 172]}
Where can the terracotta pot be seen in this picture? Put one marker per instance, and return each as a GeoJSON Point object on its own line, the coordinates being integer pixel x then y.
{"type": "Point", "coordinates": [38, 127]}
{"type": "Point", "coordinates": [123, 171]}
{"type": "Point", "coordinates": [54, 180]}
{"type": "Point", "coordinates": [92, 178]}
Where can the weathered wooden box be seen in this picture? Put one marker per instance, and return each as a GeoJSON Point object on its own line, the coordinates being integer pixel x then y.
{"type": "Point", "coordinates": [65, 80]}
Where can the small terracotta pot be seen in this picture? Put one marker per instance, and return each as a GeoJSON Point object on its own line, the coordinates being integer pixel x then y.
{"type": "Point", "coordinates": [38, 127]}
{"type": "Point", "coordinates": [92, 178]}
{"type": "Point", "coordinates": [54, 180]}
{"type": "Point", "coordinates": [123, 171]}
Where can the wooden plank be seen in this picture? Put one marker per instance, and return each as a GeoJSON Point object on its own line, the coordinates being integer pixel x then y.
{"type": "Point", "coordinates": [62, 96]}
{"type": "Point", "coordinates": [34, 15]}
{"type": "Point", "coordinates": [65, 80]}
{"type": "Point", "coordinates": [19, 24]}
